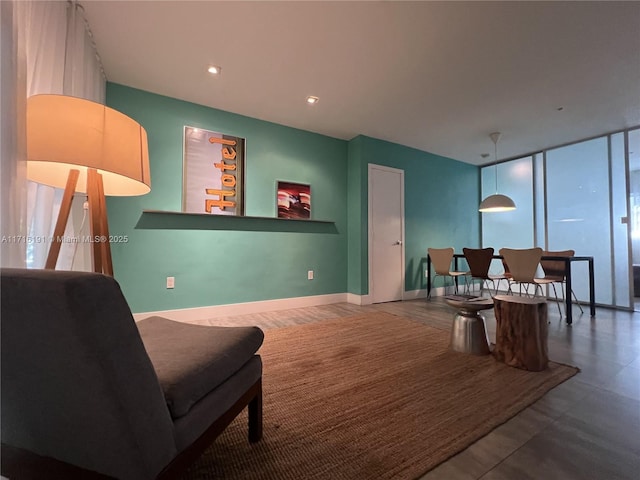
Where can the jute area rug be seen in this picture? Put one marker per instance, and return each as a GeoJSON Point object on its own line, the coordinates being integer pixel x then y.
{"type": "Point", "coordinates": [371, 396]}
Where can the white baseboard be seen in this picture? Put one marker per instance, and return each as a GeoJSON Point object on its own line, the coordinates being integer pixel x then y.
{"type": "Point", "coordinates": [358, 299]}
{"type": "Point", "coordinates": [435, 292]}
{"type": "Point", "coordinates": [213, 311]}
{"type": "Point", "coordinates": [414, 294]}
{"type": "Point", "coordinates": [407, 295]}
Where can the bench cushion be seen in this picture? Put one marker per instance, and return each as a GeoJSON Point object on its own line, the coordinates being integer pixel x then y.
{"type": "Point", "coordinates": [202, 360]}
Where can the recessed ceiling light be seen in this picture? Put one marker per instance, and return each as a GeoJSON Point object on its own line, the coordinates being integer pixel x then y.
{"type": "Point", "coordinates": [214, 70]}
{"type": "Point", "coordinates": [311, 100]}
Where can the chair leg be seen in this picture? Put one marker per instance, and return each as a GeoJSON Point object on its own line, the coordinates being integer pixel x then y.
{"type": "Point", "coordinates": [496, 286]}
{"type": "Point", "coordinates": [493, 285]}
{"type": "Point", "coordinates": [481, 286]}
{"type": "Point", "coordinates": [564, 291]}
{"type": "Point", "coordinates": [577, 301]}
{"type": "Point", "coordinates": [433, 281]}
{"type": "Point", "coordinates": [466, 284]}
{"type": "Point", "coordinates": [255, 416]}
{"type": "Point", "coordinates": [555, 292]}
{"type": "Point", "coordinates": [456, 282]}
{"type": "Point", "coordinates": [535, 290]}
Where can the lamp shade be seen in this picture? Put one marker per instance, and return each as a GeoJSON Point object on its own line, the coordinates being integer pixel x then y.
{"type": "Point", "coordinates": [497, 203]}
{"type": "Point", "coordinates": [65, 133]}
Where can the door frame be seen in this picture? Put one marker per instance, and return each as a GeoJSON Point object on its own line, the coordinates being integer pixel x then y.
{"type": "Point", "coordinates": [370, 167]}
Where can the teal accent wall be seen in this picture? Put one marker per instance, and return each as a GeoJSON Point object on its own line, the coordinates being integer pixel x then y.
{"type": "Point", "coordinates": [214, 267]}
{"type": "Point", "coordinates": [441, 206]}
{"type": "Point", "coordinates": [246, 260]}
{"type": "Point", "coordinates": [357, 220]}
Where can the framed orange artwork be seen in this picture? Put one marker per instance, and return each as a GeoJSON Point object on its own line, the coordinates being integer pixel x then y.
{"type": "Point", "coordinates": [213, 173]}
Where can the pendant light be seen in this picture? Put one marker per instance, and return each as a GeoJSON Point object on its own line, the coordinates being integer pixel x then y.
{"type": "Point", "coordinates": [496, 202]}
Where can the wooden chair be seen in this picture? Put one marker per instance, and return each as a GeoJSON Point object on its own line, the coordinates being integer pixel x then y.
{"type": "Point", "coordinates": [506, 275]}
{"type": "Point", "coordinates": [522, 265]}
{"type": "Point", "coordinates": [441, 260]}
{"type": "Point", "coordinates": [479, 261]}
{"type": "Point", "coordinates": [555, 271]}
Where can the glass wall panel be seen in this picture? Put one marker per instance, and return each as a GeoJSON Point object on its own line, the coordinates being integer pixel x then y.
{"type": "Point", "coordinates": [621, 290]}
{"type": "Point", "coordinates": [512, 229]}
{"type": "Point", "coordinates": [539, 220]}
{"type": "Point", "coordinates": [634, 206]}
{"type": "Point", "coordinates": [575, 197]}
{"type": "Point", "coordinates": [578, 212]}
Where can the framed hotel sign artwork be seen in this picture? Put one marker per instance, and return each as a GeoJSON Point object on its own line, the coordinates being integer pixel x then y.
{"type": "Point", "coordinates": [213, 173]}
{"type": "Point", "coordinates": [294, 200]}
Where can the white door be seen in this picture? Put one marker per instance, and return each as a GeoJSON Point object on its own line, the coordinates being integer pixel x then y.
{"type": "Point", "coordinates": [386, 233]}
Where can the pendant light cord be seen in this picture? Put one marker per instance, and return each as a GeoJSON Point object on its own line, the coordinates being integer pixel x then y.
{"type": "Point", "coordinates": [495, 147]}
{"type": "Point", "coordinates": [495, 137]}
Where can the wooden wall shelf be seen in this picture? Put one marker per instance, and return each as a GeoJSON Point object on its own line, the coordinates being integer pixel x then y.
{"type": "Point", "coordinates": [169, 220]}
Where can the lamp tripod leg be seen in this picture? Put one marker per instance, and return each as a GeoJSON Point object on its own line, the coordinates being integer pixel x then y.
{"type": "Point", "coordinates": [101, 247]}
{"type": "Point", "coordinates": [63, 218]}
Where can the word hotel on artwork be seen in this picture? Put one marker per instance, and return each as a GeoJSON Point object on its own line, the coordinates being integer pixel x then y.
{"type": "Point", "coordinates": [228, 177]}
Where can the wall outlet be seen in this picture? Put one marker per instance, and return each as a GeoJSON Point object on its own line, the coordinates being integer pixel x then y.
{"type": "Point", "coordinates": [171, 282]}
{"type": "Point", "coordinates": [310, 275]}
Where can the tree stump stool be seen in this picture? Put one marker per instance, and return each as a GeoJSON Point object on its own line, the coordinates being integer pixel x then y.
{"type": "Point", "coordinates": [521, 332]}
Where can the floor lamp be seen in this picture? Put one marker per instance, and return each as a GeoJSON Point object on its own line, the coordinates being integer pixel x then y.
{"type": "Point", "coordinates": [85, 147]}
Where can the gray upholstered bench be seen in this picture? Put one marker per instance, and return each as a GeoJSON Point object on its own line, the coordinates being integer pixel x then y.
{"type": "Point", "coordinates": [84, 386]}
{"type": "Point", "coordinates": [196, 368]}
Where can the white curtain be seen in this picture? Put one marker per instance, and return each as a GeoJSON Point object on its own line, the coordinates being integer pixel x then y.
{"type": "Point", "coordinates": [61, 58]}
{"type": "Point", "coordinates": [12, 139]}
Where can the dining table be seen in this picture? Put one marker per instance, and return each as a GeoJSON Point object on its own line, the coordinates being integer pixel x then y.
{"type": "Point", "coordinates": [568, 261]}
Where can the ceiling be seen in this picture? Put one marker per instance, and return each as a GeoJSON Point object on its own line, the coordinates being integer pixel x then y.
{"type": "Point", "coordinates": [436, 76]}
